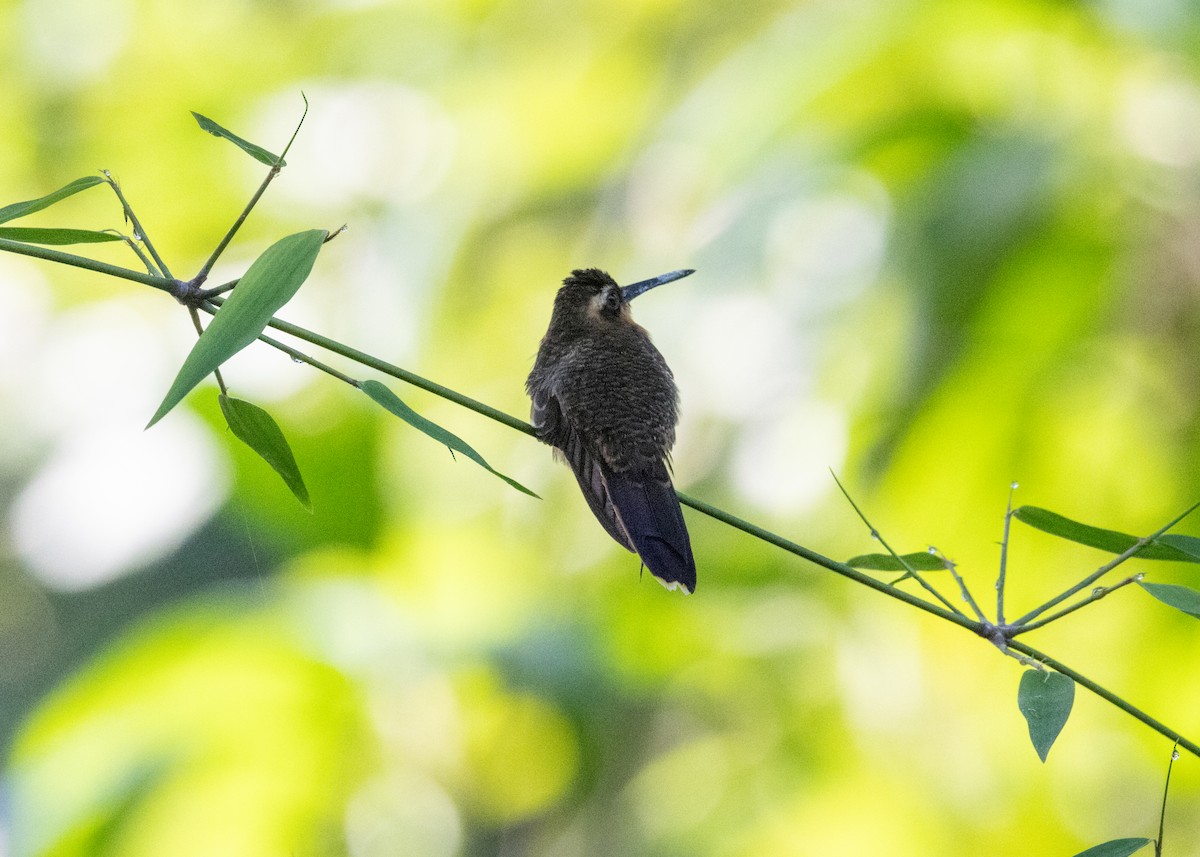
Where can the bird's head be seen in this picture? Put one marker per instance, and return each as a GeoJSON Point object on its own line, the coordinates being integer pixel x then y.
{"type": "Point", "coordinates": [590, 296]}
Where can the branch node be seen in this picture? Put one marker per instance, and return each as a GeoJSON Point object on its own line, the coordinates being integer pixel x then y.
{"type": "Point", "coordinates": [188, 292]}
{"type": "Point", "coordinates": [997, 635]}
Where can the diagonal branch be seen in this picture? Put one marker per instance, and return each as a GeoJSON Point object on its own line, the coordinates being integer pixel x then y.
{"type": "Point", "coordinates": [49, 254]}
{"type": "Point", "coordinates": [983, 629]}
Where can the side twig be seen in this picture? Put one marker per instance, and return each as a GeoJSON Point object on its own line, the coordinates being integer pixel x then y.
{"type": "Point", "coordinates": [1095, 596]}
{"type": "Point", "coordinates": [1162, 812]}
{"type": "Point", "coordinates": [962, 587]}
{"type": "Point", "coordinates": [138, 231]}
{"type": "Point", "coordinates": [200, 332]}
{"type": "Point", "coordinates": [275, 169]}
{"type": "Point", "coordinates": [911, 572]}
{"type": "Point", "coordinates": [1104, 569]}
{"type": "Point", "coordinates": [1004, 556]}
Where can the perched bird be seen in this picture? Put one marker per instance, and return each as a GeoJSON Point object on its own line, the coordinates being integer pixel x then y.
{"type": "Point", "coordinates": [604, 397]}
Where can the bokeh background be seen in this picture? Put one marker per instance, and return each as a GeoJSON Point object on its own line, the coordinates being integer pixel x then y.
{"type": "Point", "coordinates": [942, 245]}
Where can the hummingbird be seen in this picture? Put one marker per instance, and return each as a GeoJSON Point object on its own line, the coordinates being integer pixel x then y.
{"type": "Point", "coordinates": [605, 399]}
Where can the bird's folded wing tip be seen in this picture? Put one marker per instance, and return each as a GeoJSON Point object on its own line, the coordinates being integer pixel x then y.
{"type": "Point", "coordinates": [673, 585]}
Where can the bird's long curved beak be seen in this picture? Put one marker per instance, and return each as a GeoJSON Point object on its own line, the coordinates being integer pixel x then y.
{"type": "Point", "coordinates": [632, 291]}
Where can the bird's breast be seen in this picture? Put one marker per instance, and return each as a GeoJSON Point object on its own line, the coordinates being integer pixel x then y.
{"type": "Point", "coordinates": [621, 398]}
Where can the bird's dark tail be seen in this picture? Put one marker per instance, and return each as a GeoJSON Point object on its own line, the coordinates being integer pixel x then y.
{"type": "Point", "coordinates": [649, 512]}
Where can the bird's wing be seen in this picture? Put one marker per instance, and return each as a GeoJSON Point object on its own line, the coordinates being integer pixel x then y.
{"type": "Point", "coordinates": [554, 428]}
{"type": "Point", "coordinates": [648, 510]}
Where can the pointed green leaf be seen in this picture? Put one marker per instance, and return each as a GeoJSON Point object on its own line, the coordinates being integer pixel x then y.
{"type": "Point", "coordinates": [20, 209]}
{"type": "Point", "coordinates": [257, 152]}
{"type": "Point", "coordinates": [921, 561]}
{"type": "Point", "coordinates": [1190, 545]}
{"type": "Point", "coordinates": [1180, 597]}
{"type": "Point", "coordinates": [391, 402]}
{"type": "Point", "coordinates": [255, 427]}
{"type": "Point", "coordinates": [56, 236]}
{"type": "Point", "coordinates": [1165, 547]}
{"type": "Point", "coordinates": [268, 284]}
{"type": "Point", "coordinates": [1045, 698]}
{"type": "Point", "coordinates": [1116, 847]}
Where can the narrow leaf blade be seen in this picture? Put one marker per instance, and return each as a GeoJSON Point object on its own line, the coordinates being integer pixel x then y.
{"type": "Point", "coordinates": [1190, 545]}
{"type": "Point", "coordinates": [56, 236]}
{"type": "Point", "coordinates": [259, 431]}
{"type": "Point", "coordinates": [268, 284]}
{"type": "Point", "coordinates": [392, 403]}
{"type": "Point", "coordinates": [1111, 541]}
{"type": "Point", "coordinates": [921, 561]}
{"type": "Point", "coordinates": [20, 209]}
{"type": "Point", "coordinates": [1045, 698]}
{"type": "Point", "coordinates": [1116, 847]}
{"type": "Point", "coordinates": [257, 152]}
{"type": "Point", "coordinates": [1180, 597]}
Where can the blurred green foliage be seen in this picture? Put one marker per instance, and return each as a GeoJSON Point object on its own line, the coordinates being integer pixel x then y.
{"type": "Point", "coordinates": [941, 245]}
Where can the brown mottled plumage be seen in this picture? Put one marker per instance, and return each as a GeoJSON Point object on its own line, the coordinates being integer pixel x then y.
{"type": "Point", "coordinates": [605, 399]}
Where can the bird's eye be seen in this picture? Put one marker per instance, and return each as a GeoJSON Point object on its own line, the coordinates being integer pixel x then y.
{"type": "Point", "coordinates": [612, 300]}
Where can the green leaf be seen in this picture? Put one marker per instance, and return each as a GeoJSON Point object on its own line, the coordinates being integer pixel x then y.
{"type": "Point", "coordinates": [257, 152]}
{"type": "Point", "coordinates": [1180, 597]}
{"type": "Point", "coordinates": [56, 236]}
{"type": "Point", "coordinates": [391, 402]}
{"type": "Point", "coordinates": [1045, 698]}
{"type": "Point", "coordinates": [20, 209]}
{"type": "Point", "coordinates": [1176, 548]}
{"type": "Point", "coordinates": [1190, 545]}
{"type": "Point", "coordinates": [1116, 847]}
{"type": "Point", "coordinates": [267, 285]}
{"type": "Point", "coordinates": [255, 427]}
{"type": "Point", "coordinates": [921, 561]}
